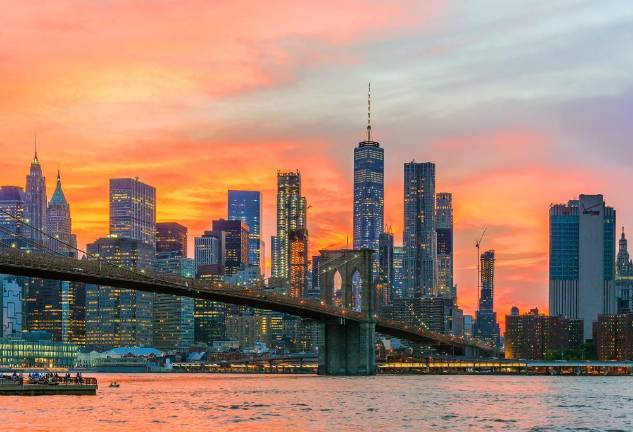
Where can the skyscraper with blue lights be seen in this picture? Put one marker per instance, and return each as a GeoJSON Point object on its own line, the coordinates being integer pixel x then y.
{"type": "Point", "coordinates": [247, 207]}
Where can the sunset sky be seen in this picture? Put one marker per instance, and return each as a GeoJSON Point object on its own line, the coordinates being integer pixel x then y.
{"type": "Point", "coordinates": [519, 104]}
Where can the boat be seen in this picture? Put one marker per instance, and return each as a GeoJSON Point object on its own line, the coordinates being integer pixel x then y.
{"type": "Point", "coordinates": [41, 387]}
{"type": "Point", "coordinates": [114, 384]}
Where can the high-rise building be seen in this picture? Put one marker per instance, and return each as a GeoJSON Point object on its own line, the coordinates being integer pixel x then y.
{"type": "Point", "coordinates": [397, 289]}
{"type": "Point", "coordinates": [247, 207]}
{"type": "Point", "coordinates": [420, 261]}
{"type": "Point", "coordinates": [235, 243]}
{"type": "Point", "coordinates": [59, 223]}
{"type": "Point", "coordinates": [613, 337]}
{"type": "Point", "coordinates": [533, 336]}
{"type": "Point", "coordinates": [582, 260]}
{"type": "Point", "coordinates": [35, 197]}
{"type": "Point", "coordinates": [624, 278]}
{"type": "Point", "coordinates": [298, 262]}
{"type": "Point", "coordinates": [385, 279]}
{"type": "Point", "coordinates": [209, 316]}
{"type": "Point", "coordinates": [486, 326]}
{"type": "Point", "coordinates": [173, 324]}
{"type": "Point", "coordinates": [10, 306]}
{"type": "Point", "coordinates": [444, 232]}
{"type": "Point", "coordinates": [171, 237]}
{"type": "Point", "coordinates": [369, 191]}
{"type": "Point", "coordinates": [291, 215]}
{"type": "Point", "coordinates": [314, 291]}
{"type": "Point", "coordinates": [133, 210]}
{"type": "Point", "coordinates": [209, 250]}
{"type": "Point", "coordinates": [13, 232]}
{"type": "Point", "coordinates": [116, 316]}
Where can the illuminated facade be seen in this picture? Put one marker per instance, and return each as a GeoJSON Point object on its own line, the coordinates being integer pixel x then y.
{"type": "Point", "coordinates": [170, 237]}
{"type": "Point", "coordinates": [13, 202]}
{"type": "Point", "coordinates": [36, 351]}
{"type": "Point", "coordinates": [613, 336]}
{"type": "Point", "coordinates": [420, 260]}
{"type": "Point", "coordinates": [209, 316]}
{"type": "Point", "coordinates": [298, 260]}
{"type": "Point", "coordinates": [116, 316]}
{"type": "Point", "coordinates": [133, 210]}
{"type": "Point", "coordinates": [385, 279]}
{"type": "Point", "coordinates": [486, 326]}
{"type": "Point", "coordinates": [235, 235]}
{"type": "Point", "coordinates": [582, 260]}
{"type": "Point", "coordinates": [291, 215]}
{"type": "Point", "coordinates": [35, 195]}
{"type": "Point", "coordinates": [247, 207]}
{"type": "Point", "coordinates": [11, 306]}
{"type": "Point", "coordinates": [444, 232]}
{"type": "Point", "coordinates": [532, 336]}
{"type": "Point", "coordinates": [173, 324]}
{"type": "Point", "coordinates": [397, 289]}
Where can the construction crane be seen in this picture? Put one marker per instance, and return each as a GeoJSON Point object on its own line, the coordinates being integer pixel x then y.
{"type": "Point", "coordinates": [478, 245]}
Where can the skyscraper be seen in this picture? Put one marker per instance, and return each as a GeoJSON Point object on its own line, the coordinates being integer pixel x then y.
{"type": "Point", "coordinates": [582, 260]}
{"type": "Point", "coordinates": [35, 196]}
{"type": "Point", "coordinates": [444, 231]}
{"type": "Point", "coordinates": [420, 262]}
{"type": "Point", "coordinates": [171, 237]}
{"type": "Point", "coordinates": [235, 243]}
{"type": "Point", "coordinates": [397, 290]}
{"type": "Point", "coordinates": [209, 316]}
{"type": "Point", "coordinates": [117, 316]}
{"type": "Point", "coordinates": [291, 215]}
{"type": "Point", "coordinates": [13, 212]}
{"type": "Point", "coordinates": [133, 210]}
{"type": "Point", "coordinates": [298, 262]}
{"type": "Point", "coordinates": [369, 191]}
{"type": "Point", "coordinates": [624, 278]}
{"type": "Point", "coordinates": [247, 207]}
{"type": "Point", "coordinates": [624, 266]}
{"type": "Point", "coordinates": [385, 280]}
{"type": "Point", "coordinates": [485, 326]}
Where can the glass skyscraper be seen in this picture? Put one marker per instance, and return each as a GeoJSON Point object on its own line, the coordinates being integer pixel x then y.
{"type": "Point", "coordinates": [485, 326]}
{"type": "Point", "coordinates": [582, 260]}
{"type": "Point", "coordinates": [170, 237]}
{"type": "Point", "coordinates": [247, 207]}
{"type": "Point", "coordinates": [35, 195]}
{"type": "Point", "coordinates": [444, 231]}
{"type": "Point", "coordinates": [420, 261]}
{"type": "Point", "coordinates": [133, 210]}
{"type": "Point", "coordinates": [369, 193]}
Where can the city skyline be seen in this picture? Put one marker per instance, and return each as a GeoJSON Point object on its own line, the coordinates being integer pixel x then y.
{"type": "Point", "coordinates": [524, 161]}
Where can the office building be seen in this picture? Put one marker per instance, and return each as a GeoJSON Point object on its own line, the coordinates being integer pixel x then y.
{"type": "Point", "coordinates": [385, 279]}
{"type": "Point", "coordinates": [533, 336]}
{"type": "Point", "coordinates": [369, 192]}
{"type": "Point", "coordinates": [171, 237]}
{"type": "Point", "coordinates": [247, 207]}
{"type": "Point", "coordinates": [12, 214]}
{"type": "Point", "coordinates": [397, 291]}
{"type": "Point", "coordinates": [433, 313]}
{"type": "Point", "coordinates": [10, 306]}
{"type": "Point", "coordinates": [420, 261]}
{"type": "Point", "coordinates": [173, 324]}
{"type": "Point", "coordinates": [444, 233]}
{"type": "Point", "coordinates": [291, 215]}
{"type": "Point", "coordinates": [35, 200]}
{"type": "Point", "coordinates": [582, 260]}
{"type": "Point", "coordinates": [36, 350]}
{"type": "Point", "coordinates": [118, 317]}
{"type": "Point", "coordinates": [486, 326]}
{"type": "Point", "coordinates": [209, 316]}
{"type": "Point", "coordinates": [235, 234]}
{"type": "Point", "coordinates": [133, 210]}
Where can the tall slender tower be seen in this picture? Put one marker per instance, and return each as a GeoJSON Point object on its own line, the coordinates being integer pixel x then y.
{"type": "Point", "coordinates": [291, 215]}
{"type": "Point", "coordinates": [59, 223]}
{"type": "Point", "coordinates": [420, 261]}
{"type": "Point", "coordinates": [247, 206]}
{"type": "Point", "coordinates": [444, 230]}
{"type": "Point", "coordinates": [36, 199]}
{"type": "Point", "coordinates": [486, 326]}
{"type": "Point", "coordinates": [369, 191]}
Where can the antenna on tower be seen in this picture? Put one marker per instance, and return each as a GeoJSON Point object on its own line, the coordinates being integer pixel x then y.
{"type": "Point", "coordinates": [369, 112]}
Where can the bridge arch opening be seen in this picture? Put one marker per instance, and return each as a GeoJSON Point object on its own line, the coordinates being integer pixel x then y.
{"type": "Point", "coordinates": [337, 291]}
{"type": "Point", "coordinates": [357, 296]}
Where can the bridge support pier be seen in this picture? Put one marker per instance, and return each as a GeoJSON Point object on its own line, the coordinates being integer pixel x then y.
{"type": "Point", "coordinates": [347, 348]}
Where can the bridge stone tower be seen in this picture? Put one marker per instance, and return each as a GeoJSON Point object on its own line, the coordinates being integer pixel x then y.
{"type": "Point", "coordinates": [347, 347]}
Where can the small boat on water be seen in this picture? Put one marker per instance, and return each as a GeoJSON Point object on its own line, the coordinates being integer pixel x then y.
{"type": "Point", "coordinates": [114, 384]}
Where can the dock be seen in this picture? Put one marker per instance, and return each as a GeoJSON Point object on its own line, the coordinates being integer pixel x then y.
{"type": "Point", "coordinates": [87, 387]}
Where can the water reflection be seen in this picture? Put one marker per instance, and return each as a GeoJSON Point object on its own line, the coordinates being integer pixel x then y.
{"type": "Point", "coordinates": [264, 403]}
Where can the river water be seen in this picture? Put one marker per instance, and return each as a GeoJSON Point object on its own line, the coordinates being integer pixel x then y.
{"type": "Point", "coordinates": [188, 402]}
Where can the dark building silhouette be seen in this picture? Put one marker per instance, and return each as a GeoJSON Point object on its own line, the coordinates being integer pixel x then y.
{"type": "Point", "coordinates": [486, 326]}
{"type": "Point", "coordinates": [171, 237]}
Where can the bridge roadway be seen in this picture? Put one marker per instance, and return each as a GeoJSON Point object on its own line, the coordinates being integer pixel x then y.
{"type": "Point", "coordinates": [18, 263]}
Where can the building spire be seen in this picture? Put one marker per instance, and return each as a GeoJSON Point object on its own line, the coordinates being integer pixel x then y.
{"type": "Point", "coordinates": [369, 112]}
{"type": "Point", "coordinates": [35, 160]}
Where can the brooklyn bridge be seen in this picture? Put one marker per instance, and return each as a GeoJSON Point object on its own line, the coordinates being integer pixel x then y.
{"type": "Point", "coordinates": [347, 335]}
